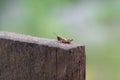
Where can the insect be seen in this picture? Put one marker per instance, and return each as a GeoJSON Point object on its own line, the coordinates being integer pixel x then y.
{"type": "Point", "coordinates": [62, 40]}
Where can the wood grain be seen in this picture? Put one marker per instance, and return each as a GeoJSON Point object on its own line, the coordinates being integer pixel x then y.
{"type": "Point", "coordinates": [24, 57]}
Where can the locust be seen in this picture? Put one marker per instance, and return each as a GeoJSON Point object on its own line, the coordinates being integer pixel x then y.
{"type": "Point", "coordinates": [63, 40]}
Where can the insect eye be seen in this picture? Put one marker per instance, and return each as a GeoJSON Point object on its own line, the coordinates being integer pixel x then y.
{"type": "Point", "coordinates": [59, 38]}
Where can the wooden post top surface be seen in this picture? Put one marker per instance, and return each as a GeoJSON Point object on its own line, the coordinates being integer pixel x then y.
{"type": "Point", "coordinates": [37, 40]}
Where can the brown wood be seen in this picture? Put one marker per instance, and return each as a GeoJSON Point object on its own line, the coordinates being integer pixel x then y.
{"type": "Point", "coordinates": [25, 57]}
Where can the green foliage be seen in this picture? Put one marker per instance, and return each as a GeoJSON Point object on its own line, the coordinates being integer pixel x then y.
{"type": "Point", "coordinates": [43, 17]}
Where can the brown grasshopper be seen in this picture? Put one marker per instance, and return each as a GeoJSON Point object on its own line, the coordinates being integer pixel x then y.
{"type": "Point", "coordinates": [62, 40]}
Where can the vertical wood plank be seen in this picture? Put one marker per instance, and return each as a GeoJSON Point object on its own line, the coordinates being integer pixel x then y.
{"type": "Point", "coordinates": [25, 57]}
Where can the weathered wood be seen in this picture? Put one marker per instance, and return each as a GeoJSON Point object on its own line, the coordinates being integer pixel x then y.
{"type": "Point", "coordinates": [30, 58]}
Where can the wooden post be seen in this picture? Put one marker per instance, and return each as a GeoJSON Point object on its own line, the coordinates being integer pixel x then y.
{"type": "Point", "coordinates": [25, 57]}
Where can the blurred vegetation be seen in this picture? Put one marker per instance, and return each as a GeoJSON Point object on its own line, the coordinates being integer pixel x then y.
{"type": "Point", "coordinates": [93, 23]}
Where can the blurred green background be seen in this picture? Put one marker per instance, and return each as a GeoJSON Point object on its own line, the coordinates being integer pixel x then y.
{"type": "Point", "coordinates": [95, 23]}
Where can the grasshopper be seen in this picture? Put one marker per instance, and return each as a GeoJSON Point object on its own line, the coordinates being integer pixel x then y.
{"type": "Point", "coordinates": [63, 40]}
